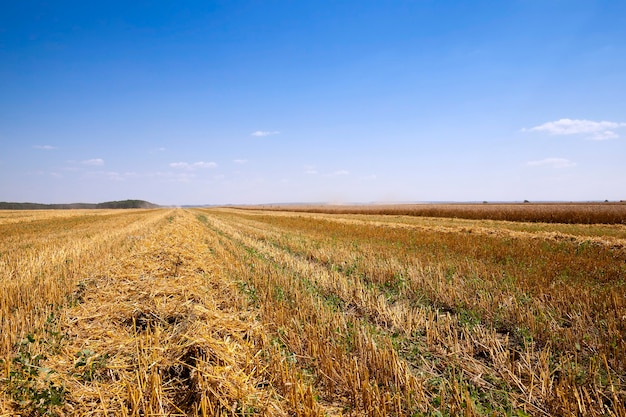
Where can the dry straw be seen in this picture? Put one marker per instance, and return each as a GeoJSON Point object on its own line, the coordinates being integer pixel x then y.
{"type": "Point", "coordinates": [237, 313]}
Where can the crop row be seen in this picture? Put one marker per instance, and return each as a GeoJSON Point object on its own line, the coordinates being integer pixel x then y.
{"type": "Point", "coordinates": [229, 312]}
{"type": "Point", "coordinates": [572, 213]}
{"type": "Point", "coordinates": [554, 310]}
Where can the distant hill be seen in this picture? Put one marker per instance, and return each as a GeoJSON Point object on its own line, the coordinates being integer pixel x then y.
{"type": "Point", "coordinates": [125, 204]}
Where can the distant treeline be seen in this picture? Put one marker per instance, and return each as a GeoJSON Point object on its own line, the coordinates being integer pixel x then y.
{"type": "Point", "coordinates": [125, 204]}
{"type": "Point", "coordinates": [587, 213]}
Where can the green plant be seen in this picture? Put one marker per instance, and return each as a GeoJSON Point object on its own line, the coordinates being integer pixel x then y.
{"type": "Point", "coordinates": [88, 364]}
{"type": "Point", "coordinates": [279, 293]}
{"type": "Point", "coordinates": [29, 383]}
{"type": "Point", "coordinates": [249, 291]}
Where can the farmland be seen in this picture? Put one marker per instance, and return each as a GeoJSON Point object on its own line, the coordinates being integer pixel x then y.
{"type": "Point", "coordinates": [312, 312]}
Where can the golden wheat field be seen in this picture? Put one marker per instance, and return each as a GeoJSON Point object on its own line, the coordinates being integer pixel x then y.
{"type": "Point", "coordinates": [231, 312]}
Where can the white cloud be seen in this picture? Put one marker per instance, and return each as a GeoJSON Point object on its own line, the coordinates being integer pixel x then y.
{"type": "Point", "coordinates": [170, 176]}
{"type": "Point", "coordinates": [554, 162]}
{"type": "Point", "coordinates": [45, 147]}
{"type": "Point", "coordinates": [114, 175]}
{"type": "Point", "coordinates": [597, 130]}
{"type": "Point", "coordinates": [261, 133]}
{"type": "Point", "coordinates": [607, 134]}
{"type": "Point", "coordinates": [204, 165]}
{"type": "Point", "coordinates": [240, 161]}
{"type": "Point", "coordinates": [369, 177]}
{"type": "Point", "coordinates": [341, 172]}
{"type": "Point", "coordinates": [310, 170]}
{"type": "Point", "coordinates": [193, 165]}
{"type": "Point", "coordinates": [157, 150]}
{"type": "Point", "coordinates": [96, 162]}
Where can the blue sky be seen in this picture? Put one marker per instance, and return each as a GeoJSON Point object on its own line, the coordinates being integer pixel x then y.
{"type": "Point", "coordinates": [293, 101]}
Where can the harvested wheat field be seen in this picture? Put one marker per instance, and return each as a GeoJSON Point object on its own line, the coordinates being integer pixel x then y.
{"type": "Point", "coordinates": [230, 312]}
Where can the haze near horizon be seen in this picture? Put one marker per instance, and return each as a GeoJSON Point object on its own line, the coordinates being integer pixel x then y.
{"type": "Point", "coordinates": [246, 102]}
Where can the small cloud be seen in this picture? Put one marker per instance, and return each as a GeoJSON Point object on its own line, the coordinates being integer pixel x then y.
{"type": "Point", "coordinates": [114, 175]}
{"type": "Point", "coordinates": [240, 161]}
{"type": "Point", "coordinates": [194, 165]}
{"type": "Point", "coordinates": [554, 162]}
{"type": "Point", "coordinates": [172, 176]}
{"type": "Point", "coordinates": [96, 162]}
{"type": "Point", "coordinates": [310, 170]}
{"type": "Point", "coordinates": [607, 134]}
{"type": "Point", "coordinates": [339, 173]}
{"type": "Point", "coordinates": [261, 133]}
{"type": "Point", "coordinates": [45, 147]}
{"type": "Point", "coordinates": [156, 150]}
{"type": "Point", "coordinates": [597, 130]}
{"type": "Point", "coordinates": [37, 173]}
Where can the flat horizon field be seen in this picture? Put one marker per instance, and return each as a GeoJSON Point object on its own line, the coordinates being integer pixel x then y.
{"type": "Point", "coordinates": [224, 311]}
